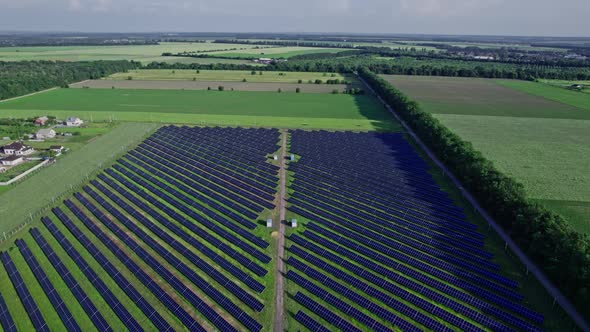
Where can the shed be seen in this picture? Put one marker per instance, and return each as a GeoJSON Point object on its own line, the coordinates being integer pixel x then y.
{"type": "Point", "coordinates": [294, 223]}
{"type": "Point", "coordinates": [268, 223]}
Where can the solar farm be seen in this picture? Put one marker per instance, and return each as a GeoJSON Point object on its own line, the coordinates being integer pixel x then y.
{"type": "Point", "coordinates": [172, 237]}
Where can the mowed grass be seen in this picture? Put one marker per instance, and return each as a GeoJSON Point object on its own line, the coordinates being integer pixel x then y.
{"type": "Point", "coordinates": [272, 109]}
{"type": "Point", "coordinates": [535, 132]}
{"type": "Point", "coordinates": [142, 53]}
{"type": "Point", "coordinates": [227, 75]}
{"type": "Point", "coordinates": [38, 191]}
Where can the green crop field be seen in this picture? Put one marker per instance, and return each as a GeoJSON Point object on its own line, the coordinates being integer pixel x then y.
{"type": "Point", "coordinates": [143, 53]}
{"type": "Point", "coordinates": [360, 112]}
{"type": "Point", "coordinates": [39, 190]}
{"type": "Point", "coordinates": [541, 141]}
{"type": "Point", "coordinates": [228, 75]}
{"type": "Point", "coordinates": [276, 52]}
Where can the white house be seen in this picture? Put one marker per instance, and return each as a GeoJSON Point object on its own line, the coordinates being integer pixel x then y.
{"type": "Point", "coordinates": [45, 133]}
{"type": "Point", "coordinates": [12, 160]}
{"type": "Point", "coordinates": [17, 149]}
{"type": "Point", "coordinates": [74, 122]}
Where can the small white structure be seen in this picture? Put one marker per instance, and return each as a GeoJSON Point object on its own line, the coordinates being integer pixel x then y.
{"type": "Point", "coordinates": [45, 134]}
{"type": "Point", "coordinates": [292, 157]}
{"type": "Point", "coordinates": [12, 160]}
{"type": "Point", "coordinates": [268, 223]}
{"type": "Point", "coordinates": [74, 122]}
{"type": "Point", "coordinates": [17, 149]}
{"type": "Point", "coordinates": [56, 148]}
{"type": "Point", "coordinates": [294, 223]}
{"type": "Point", "coordinates": [275, 157]}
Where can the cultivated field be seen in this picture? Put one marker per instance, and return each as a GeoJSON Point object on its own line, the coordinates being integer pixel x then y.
{"type": "Point", "coordinates": [40, 189]}
{"type": "Point", "coordinates": [205, 85]}
{"type": "Point", "coordinates": [143, 53]}
{"type": "Point", "coordinates": [541, 141]}
{"type": "Point", "coordinates": [228, 75]}
{"type": "Point", "coordinates": [360, 112]}
{"type": "Point", "coordinates": [276, 52]}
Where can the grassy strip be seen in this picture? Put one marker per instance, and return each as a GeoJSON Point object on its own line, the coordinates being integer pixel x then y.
{"type": "Point", "coordinates": [39, 191]}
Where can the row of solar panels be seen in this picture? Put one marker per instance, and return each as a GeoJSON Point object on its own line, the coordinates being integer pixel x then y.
{"type": "Point", "coordinates": [421, 247]}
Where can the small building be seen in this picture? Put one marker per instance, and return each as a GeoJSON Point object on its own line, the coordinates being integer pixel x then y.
{"type": "Point", "coordinates": [275, 157]}
{"type": "Point", "coordinates": [74, 122]}
{"type": "Point", "coordinates": [294, 223]}
{"type": "Point", "coordinates": [292, 157]}
{"type": "Point", "coordinates": [268, 223]}
{"type": "Point", "coordinates": [56, 148]}
{"type": "Point", "coordinates": [17, 149]}
{"type": "Point", "coordinates": [12, 160]}
{"type": "Point", "coordinates": [45, 134]}
{"type": "Point", "coordinates": [41, 121]}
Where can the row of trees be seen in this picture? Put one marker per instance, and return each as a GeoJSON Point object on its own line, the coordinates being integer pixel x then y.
{"type": "Point", "coordinates": [405, 66]}
{"type": "Point", "coordinates": [20, 78]}
{"type": "Point", "coordinates": [546, 237]}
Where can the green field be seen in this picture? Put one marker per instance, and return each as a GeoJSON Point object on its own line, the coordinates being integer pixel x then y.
{"type": "Point", "coordinates": [272, 109]}
{"type": "Point", "coordinates": [541, 141]}
{"type": "Point", "coordinates": [276, 52]}
{"type": "Point", "coordinates": [40, 189]}
{"type": "Point", "coordinates": [143, 53]}
{"type": "Point", "coordinates": [227, 75]}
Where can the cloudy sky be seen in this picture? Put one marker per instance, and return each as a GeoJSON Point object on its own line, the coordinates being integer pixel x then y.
{"type": "Point", "coordinates": [503, 17]}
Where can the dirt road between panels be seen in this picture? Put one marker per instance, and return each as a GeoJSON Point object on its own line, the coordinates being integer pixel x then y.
{"type": "Point", "coordinates": [279, 325]}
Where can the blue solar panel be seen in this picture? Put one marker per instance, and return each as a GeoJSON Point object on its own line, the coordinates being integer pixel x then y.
{"type": "Point", "coordinates": [24, 294]}
{"type": "Point", "coordinates": [310, 323]}
{"type": "Point", "coordinates": [5, 317]}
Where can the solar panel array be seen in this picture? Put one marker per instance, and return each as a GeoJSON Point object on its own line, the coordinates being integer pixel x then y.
{"type": "Point", "coordinates": [178, 214]}
{"type": "Point", "coordinates": [383, 235]}
{"type": "Point", "coordinates": [5, 317]}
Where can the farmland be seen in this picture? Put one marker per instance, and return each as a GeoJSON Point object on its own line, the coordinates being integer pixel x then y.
{"type": "Point", "coordinates": [206, 85]}
{"type": "Point", "coordinates": [541, 141]}
{"type": "Point", "coordinates": [359, 112]}
{"type": "Point", "coordinates": [143, 53]}
{"type": "Point", "coordinates": [275, 52]}
{"type": "Point", "coordinates": [227, 75]}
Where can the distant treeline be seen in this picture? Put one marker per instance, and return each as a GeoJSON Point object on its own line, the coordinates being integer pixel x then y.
{"type": "Point", "coordinates": [402, 66]}
{"type": "Point", "coordinates": [305, 43]}
{"type": "Point", "coordinates": [547, 238]}
{"type": "Point", "coordinates": [21, 78]}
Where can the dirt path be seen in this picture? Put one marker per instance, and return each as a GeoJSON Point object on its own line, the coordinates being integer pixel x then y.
{"type": "Point", "coordinates": [28, 95]}
{"type": "Point", "coordinates": [281, 271]}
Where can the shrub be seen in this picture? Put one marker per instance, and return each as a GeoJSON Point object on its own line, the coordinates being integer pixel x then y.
{"type": "Point", "coordinates": [298, 90]}
{"type": "Point", "coordinates": [221, 88]}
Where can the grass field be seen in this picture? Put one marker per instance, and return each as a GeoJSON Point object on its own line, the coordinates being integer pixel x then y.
{"type": "Point", "coordinates": [541, 141]}
{"type": "Point", "coordinates": [227, 75]}
{"type": "Point", "coordinates": [37, 191]}
{"type": "Point", "coordinates": [276, 52]}
{"type": "Point", "coordinates": [143, 53]}
{"type": "Point", "coordinates": [360, 112]}
{"type": "Point", "coordinates": [572, 98]}
{"type": "Point", "coordinates": [207, 85]}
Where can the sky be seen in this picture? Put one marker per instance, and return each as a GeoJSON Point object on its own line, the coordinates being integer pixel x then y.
{"type": "Point", "coordinates": [467, 17]}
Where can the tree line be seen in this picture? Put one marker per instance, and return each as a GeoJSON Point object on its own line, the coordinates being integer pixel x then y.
{"type": "Point", "coordinates": [403, 66]}
{"type": "Point", "coordinates": [21, 78]}
{"type": "Point", "coordinates": [546, 237]}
